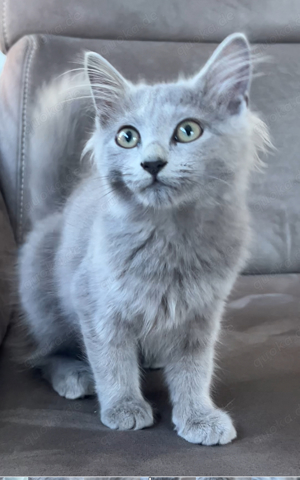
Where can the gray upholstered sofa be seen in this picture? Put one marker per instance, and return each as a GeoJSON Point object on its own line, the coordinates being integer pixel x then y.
{"type": "Point", "coordinates": [259, 375]}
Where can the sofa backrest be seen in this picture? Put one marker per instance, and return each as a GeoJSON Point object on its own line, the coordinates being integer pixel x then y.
{"type": "Point", "coordinates": [209, 21]}
{"type": "Point", "coordinates": [157, 41]}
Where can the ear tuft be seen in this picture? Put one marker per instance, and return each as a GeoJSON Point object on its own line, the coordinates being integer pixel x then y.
{"type": "Point", "coordinates": [108, 86]}
{"type": "Point", "coordinates": [227, 74]}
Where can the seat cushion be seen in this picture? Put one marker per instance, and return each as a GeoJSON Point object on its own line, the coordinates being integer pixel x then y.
{"type": "Point", "coordinates": [257, 381]}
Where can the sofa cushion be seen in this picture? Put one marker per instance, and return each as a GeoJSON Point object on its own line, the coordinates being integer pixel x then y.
{"type": "Point", "coordinates": [257, 381]}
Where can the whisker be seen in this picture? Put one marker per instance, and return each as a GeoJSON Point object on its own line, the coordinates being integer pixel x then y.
{"type": "Point", "coordinates": [69, 72]}
{"type": "Point", "coordinates": [217, 178]}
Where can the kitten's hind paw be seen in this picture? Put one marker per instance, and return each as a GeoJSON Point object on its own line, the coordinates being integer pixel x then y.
{"type": "Point", "coordinates": [212, 428]}
{"type": "Point", "coordinates": [69, 377]}
{"type": "Point", "coordinates": [77, 385]}
{"type": "Point", "coordinates": [128, 415]}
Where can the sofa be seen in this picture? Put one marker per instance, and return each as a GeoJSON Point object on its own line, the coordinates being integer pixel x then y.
{"type": "Point", "coordinates": [258, 364]}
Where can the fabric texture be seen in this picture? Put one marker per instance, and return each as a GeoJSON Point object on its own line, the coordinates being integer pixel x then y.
{"type": "Point", "coordinates": [258, 382]}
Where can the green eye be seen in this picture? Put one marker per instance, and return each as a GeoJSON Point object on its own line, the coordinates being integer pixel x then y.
{"type": "Point", "coordinates": [127, 137]}
{"type": "Point", "coordinates": [187, 131]}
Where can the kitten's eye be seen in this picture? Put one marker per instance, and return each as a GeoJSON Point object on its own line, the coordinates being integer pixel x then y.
{"type": "Point", "coordinates": [187, 131]}
{"type": "Point", "coordinates": [127, 137]}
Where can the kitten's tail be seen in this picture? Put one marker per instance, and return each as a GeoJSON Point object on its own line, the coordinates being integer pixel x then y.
{"type": "Point", "coordinates": [63, 118]}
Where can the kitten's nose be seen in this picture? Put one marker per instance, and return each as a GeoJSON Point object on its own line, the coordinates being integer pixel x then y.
{"type": "Point", "coordinates": [154, 166]}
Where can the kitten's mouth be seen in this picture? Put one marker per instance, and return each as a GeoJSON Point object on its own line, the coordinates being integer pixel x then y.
{"type": "Point", "coordinates": [155, 183]}
{"type": "Point", "coordinates": [159, 193]}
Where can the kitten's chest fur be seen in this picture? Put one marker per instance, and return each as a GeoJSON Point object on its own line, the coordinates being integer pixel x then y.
{"type": "Point", "coordinates": [168, 266]}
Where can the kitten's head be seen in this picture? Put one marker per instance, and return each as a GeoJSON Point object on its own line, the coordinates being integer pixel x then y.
{"type": "Point", "coordinates": [166, 144]}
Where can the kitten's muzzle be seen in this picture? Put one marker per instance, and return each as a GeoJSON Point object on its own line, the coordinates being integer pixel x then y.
{"type": "Point", "coordinates": [153, 167]}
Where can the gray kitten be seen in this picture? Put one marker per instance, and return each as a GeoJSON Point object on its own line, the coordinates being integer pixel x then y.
{"type": "Point", "coordinates": [140, 257]}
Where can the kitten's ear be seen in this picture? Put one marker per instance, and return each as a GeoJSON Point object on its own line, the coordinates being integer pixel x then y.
{"type": "Point", "coordinates": [107, 84]}
{"type": "Point", "coordinates": [226, 76]}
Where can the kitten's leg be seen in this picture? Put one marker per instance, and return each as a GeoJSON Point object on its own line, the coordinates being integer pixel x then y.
{"type": "Point", "coordinates": [114, 361]}
{"type": "Point", "coordinates": [112, 351]}
{"type": "Point", "coordinates": [189, 374]}
{"type": "Point", "coordinates": [70, 378]}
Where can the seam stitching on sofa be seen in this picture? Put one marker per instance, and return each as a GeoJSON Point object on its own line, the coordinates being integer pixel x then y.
{"type": "Point", "coordinates": [24, 132]}
{"type": "Point", "coordinates": [5, 32]}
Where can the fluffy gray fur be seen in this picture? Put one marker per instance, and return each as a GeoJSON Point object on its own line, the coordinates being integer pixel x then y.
{"type": "Point", "coordinates": [126, 268]}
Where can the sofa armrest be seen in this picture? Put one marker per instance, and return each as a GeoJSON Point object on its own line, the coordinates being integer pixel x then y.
{"type": "Point", "coordinates": [7, 250]}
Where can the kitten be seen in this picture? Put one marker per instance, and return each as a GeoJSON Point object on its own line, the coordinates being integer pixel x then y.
{"type": "Point", "coordinates": [142, 254]}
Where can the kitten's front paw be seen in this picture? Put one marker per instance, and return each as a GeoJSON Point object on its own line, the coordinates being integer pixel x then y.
{"type": "Point", "coordinates": [212, 428]}
{"type": "Point", "coordinates": [128, 415]}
